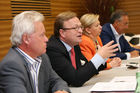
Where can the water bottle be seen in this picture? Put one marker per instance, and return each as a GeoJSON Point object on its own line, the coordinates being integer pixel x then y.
{"type": "Point", "coordinates": [138, 82]}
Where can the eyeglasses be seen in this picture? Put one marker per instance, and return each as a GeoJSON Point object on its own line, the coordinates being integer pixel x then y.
{"type": "Point", "coordinates": [77, 28]}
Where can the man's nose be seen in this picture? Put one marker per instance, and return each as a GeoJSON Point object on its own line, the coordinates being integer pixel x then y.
{"type": "Point", "coordinates": [46, 39]}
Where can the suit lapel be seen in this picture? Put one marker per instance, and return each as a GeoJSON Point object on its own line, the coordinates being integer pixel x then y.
{"type": "Point", "coordinates": [41, 76]}
{"type": "Point", "coordinates": [30, 77]}
{"type": "Point", "coordinates": [113, 36]}
{"type": "Point", "coordinates": [27, 69]}
{"type": "Point", "coordinates": [63, 49]}
{"type": "Point", "coordinates": [122, 44]}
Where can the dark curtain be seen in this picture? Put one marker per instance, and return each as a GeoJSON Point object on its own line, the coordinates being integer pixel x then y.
{"type": "Point", "coordinates": [102, 7]}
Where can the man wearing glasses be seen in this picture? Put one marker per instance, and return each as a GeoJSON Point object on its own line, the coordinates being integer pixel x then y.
{"type": "Point", "coordinates": [65, 54]}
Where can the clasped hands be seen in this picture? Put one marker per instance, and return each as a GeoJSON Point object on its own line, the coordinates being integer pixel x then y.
{"type": "Point", "coordinates": [61, 91]}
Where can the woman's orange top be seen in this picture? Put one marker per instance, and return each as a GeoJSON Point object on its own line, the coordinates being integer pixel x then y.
{"type": "Point", "coordinates": [88, 48]}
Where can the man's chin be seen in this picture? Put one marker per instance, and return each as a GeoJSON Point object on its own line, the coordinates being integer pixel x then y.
{"type": "Point", "coordinates": [79, 41]}
{"type": "Point", "coordinates": [44, 51]}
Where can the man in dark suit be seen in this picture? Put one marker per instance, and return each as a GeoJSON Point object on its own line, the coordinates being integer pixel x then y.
{"type": "Point", "coordinates": [26, 69]}
{"type": "Point", "coordinates": [114, 31]}
{"type": "Point", "coordinates": [75, 70]}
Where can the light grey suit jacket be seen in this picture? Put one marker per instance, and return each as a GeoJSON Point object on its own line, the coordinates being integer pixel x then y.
{"type": "Point", "coordinates": [15, 76]}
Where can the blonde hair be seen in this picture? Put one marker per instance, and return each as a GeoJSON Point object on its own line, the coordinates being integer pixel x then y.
{"type": "Point", "coordinates": [88, 19]}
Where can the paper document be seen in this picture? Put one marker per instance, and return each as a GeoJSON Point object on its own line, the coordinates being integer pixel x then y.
{"type": "Point", "coordinates": [134, 59]}
{"type": "Point", "coordinates": [113, 86]}
{"type": "Point", "coordinates": [124, 79]}
{"type": "Point", "coordinates": [127, 83]}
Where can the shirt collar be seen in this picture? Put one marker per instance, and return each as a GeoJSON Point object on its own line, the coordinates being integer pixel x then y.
{"type": "Point", "coordinates": [68, 47]}
{"type": "Point", "coordinates": [27, 57]}
{"type": "Point", "coordinates": [115, 32]}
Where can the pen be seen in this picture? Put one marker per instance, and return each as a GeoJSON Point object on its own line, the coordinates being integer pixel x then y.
{"type": "Point", "coordinates": [119, 81]}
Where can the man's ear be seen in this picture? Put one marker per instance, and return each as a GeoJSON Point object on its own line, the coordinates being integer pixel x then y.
{"type": "Point", "coordinates": [62, 33]}
{"type": "Point", "coordinates": [116, 22]}
{"type": "Point", "coordinates": [25, 38]}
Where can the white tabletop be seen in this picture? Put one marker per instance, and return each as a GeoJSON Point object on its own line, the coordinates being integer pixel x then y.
{"type": "Point", "coordinates": [105, 76]}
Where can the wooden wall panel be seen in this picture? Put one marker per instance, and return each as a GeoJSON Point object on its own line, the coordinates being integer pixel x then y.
{"type": "Point", "coordinates": [133, 9]}
{"type": "Point", "coordinates": [67, 5]}
{"type": "Point", "coordinates": [49, 26]}
{"type": "Point", "coordinates": [5, 27]}
{"type": "Point", "coordinates": [5, 9]}
{"type": "Point", "coordinates": [9, 9]}
{"type": "Point", "coordinates": [50, 8]}
{"type": "Point", "coordinates": [58, 6]}
{"type": "Point", "coordinates": [42, 6]}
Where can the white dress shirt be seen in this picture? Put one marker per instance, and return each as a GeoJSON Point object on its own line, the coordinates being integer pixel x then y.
{"type": "Point", "coordinates": [117, 37]}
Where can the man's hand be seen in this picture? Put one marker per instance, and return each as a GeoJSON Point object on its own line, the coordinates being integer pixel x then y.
{"type": "Point", "coordinates": [115, 62]}
{"type": "Point", "coordinates": [107, 50]}
{"type": "Point", "coordinates": [63, 91]}
{"type": "Point", "coordinates": [134, 53]}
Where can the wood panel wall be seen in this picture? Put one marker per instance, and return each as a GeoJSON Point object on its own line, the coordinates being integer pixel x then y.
{"type": "Point", "coordinates": [58, 6]}
{"type": "Point", "coordinates": [50, 8]}
{"type": "Point", "coordinates": [5, 26]}
{"type": "Point", "coordinates": [133, 9]}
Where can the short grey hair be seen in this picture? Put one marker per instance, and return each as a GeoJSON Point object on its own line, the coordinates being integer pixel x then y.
{"type": "Point", "coordinates": [117, 15]}
{"type": "Point", "coordinates": [24, 23]}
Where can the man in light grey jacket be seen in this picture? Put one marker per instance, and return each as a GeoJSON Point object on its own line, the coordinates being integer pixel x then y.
{"type": "Point", "coordinates": [26, 69]}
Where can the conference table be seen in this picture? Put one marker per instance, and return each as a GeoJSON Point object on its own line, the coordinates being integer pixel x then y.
{"type": "Point", "coordinates": [108, 75]}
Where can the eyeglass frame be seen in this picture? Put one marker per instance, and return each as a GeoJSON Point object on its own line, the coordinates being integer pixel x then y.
{"type": "Point", "coordinates": [75, 28]}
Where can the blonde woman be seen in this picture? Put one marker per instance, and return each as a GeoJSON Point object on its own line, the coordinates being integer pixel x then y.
{"type": "Point", "coordinates": [91, 40]}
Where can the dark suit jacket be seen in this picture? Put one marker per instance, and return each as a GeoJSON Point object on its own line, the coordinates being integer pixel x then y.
{"type": "Point", "coordinates": [15, 76]}
{"type": "Point", "coordinates": [107, 35]}
{"type": "Point", "coordinates": [61, 63]}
